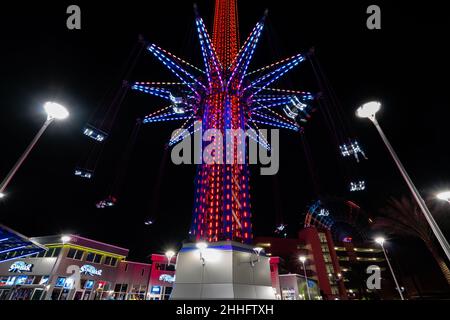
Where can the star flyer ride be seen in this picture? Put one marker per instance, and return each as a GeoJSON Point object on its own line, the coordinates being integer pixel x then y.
{"type": "Point", "coordinates": [225, 95]}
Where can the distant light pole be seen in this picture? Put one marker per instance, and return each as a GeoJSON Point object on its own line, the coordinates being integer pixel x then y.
{"type": "Point", "coordinates": [54, 111]}
{"type": "Point", "coordinates": [302, 260]}
{"type": "Point", "coordinates": [380, 241]}
{"type": "Point", "coordinates": [369, 110]}
{"type": "Point", "coordinates": [445, 196]}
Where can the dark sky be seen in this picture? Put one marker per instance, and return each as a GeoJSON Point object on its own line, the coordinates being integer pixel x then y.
{"type": "Point", "coordinates": [404, 65]}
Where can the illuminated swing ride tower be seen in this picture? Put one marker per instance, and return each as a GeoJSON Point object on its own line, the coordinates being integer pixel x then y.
{"type": "Point", "coordinates": [225, 95]}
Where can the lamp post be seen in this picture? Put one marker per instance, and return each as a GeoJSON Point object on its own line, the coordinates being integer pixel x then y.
{"type": "Point", "coordinates": [65, 239]}
{"type": "Point", "coordinates": [201, 246]}
{"type": "Point", "coordinates": [369, 111]}
{"type": "Point", "coordinates": [380, 241]}
{"type": "Point", "coordinates": [50, 284]}
{"type": "Point", "coordinates": [54, 111]}
{"type": "Point", "coordinates": [257, 251]}
{"type": "Point", "coordinates": [445, 196]}
{"type": "Point", "coordinates": [303, 260]}
{"type": "Point", "coordinates": [169, 255]}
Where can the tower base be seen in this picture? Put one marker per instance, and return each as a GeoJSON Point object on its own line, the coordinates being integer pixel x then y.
{"type": "Point", "coordinates": [224, 270]}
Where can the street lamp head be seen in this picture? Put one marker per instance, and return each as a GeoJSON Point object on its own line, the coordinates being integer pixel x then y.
{"type": "Point", "coordinates": [170, 254]}
{"type": "Point", "coordinates": [258, 250]}
{"type": "Point", "coordinates": [2, 195]}
{"type": "Point", "coordinates": [302, 259]}
{"type": "Point", "coordinates": [56, 111]}
{"type": "Point", "coordinates": [380, 240]}
{"type": "Point", "coordinates": [201, 245]}
{"type": "Point", "coordinates": [368, 110]}
{"type": "Point", "coordinates": [65, 238]}
{"type": "Point", "coordinates": [444, 196]}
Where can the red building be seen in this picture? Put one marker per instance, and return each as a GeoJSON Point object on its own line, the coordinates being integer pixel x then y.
{"type": "Point", "coordinates": [162, 277]}
{"type": "Point", "coordinates": [321, 260]}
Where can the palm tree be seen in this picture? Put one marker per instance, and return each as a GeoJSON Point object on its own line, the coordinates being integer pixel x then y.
{"type": "Point", "coordinates": [403, 217]}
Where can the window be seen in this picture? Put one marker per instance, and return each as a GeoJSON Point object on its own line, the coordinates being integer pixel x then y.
{"type": "Point", "coordinates": [323, 237]}
{"type": "Point", "coordinates": [329, 268]}
{"type": "Point", "coordinates": [160, 266]}
{"type": "Point", "coordinates": [334, 290]}
{"type": "Point", "coordinates": [75, 254]}
{"type": "Point", "coordinates": [56, 252]}
{"type": "Point", "coordinates": [110, 261]}
{"type": "Point", "coordinates": [71, 253]}
{"type": "Point", "coordinates": [60, 282]}
{"type": "Point", "coordinates": [41, 254]}
{"type": "Point", "coordinates": [98, 258]}
{"type": "Point", "coordinates": [121, 287]}
{"type": "Point", "coordinates": [89, 284]}
{"type": "Point", "coordinates": [79, 255]}
{"type": "Point", "coordinates": [43, 280]}
{"type": "Point", "coordinates": [90, 257]}
{"type": "Point", "coordinates": [49, 252]}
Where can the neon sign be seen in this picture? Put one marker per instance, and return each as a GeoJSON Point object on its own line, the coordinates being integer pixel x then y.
{"type": "Point", "coordinates": [167, 278]}
{"type": "Point", "coordinates": [20, 266]}
{"type": "Point", "coordinates": [90, 270]}
{"type": "Point", "coordinates": [156, 289]}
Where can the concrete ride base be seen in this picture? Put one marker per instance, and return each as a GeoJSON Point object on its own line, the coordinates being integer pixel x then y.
{"type": "Point", "coordinates": [229, 270]}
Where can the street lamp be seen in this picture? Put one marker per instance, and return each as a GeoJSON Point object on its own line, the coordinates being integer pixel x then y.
{"type": "Point", "coordinates": [303, 260]}
{"type": "Point", "coordinates": [445, 196]}
{"type": "Point", "coordinates": [369, 111]}
{"type": "Point", "coordinates": [54, 111]}
{"type": "Point", "coordinates": [201, 246]}
{"type": "Point", "coordinates": [257, 251]}
{"type": "Point", "coordinates": [380, 241]}
{"type": "Point", "coordinates": [65, 239]}
{"type": "Point", "coordinates": [169, 255]}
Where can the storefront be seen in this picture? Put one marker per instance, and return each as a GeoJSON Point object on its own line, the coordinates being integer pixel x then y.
{"type": "Point", "coordinates": [76, 269]}
{"type": "Point", "coordinates": [162, 277]}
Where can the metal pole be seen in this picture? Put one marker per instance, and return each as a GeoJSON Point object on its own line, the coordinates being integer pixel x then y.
{"type": "Point", "coordinates": [392, 272]}
{"type": "Point", "coordinates": [306, 280]}
{"type": "Point", "coordinates": [19, 162]}
{"type": "Point", "coordinates": [428, 216]}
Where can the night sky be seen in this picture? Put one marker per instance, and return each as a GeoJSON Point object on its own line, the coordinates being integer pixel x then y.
{"type": "Point", "coordinates": [404, 65]}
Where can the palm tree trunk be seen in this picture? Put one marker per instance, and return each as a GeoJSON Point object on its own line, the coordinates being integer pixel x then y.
{"type": "Point", "coordinates": [440, 261]}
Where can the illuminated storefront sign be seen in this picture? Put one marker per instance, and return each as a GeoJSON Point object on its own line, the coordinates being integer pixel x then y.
{"type": "Point", "coordinates": [156, 290]}
{"type": "Point", "coordinates": [20, 266]}
{"type": "Point", "coordinates": [167, 278]}
{"type": "Point", "coordinates": [90, 270]}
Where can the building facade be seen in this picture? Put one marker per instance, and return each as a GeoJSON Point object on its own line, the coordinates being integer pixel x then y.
{"type": "Point", "coordinates": [162, 277]}
{"type": "Point", "coordinates": [322, 265]}
{"type": "Point", "coordinates": [76, 269]}
{"type": "Point", "coordinates": [354, 260]}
